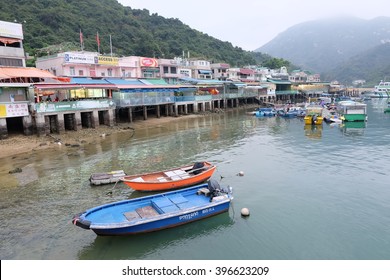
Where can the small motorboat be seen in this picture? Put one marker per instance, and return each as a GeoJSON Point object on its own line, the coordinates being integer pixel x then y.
{"type": "Point", "coordinates": [106, 178]}
{"type": "Point", "coordinates": [156, 212]}
{"type": "Point", "coordinates": [174, 178]}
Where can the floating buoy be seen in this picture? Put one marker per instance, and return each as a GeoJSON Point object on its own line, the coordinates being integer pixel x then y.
{"type": "Point", "coordinates": [245, 212]}
{"type": "Point", "coordinates": [241, 173]}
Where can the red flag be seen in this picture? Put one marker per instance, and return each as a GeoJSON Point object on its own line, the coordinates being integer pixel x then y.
{"type": "Point", "coordinates": [81, 37]}
{"type": "Point", "coordinates": [97, 39]}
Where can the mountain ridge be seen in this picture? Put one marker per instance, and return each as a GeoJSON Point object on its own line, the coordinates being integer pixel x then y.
{"type": "Point", "coordinates": [321, 44]}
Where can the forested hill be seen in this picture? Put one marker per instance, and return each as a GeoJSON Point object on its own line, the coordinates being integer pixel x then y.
{"type": "Point", "coordinates": [372, 65]}
{"type": "Point", "coordinates": [53, 25]}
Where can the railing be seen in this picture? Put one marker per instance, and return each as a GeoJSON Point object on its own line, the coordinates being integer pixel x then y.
{"type": "Point", "coordinates": [126, 99]}
{"type": "Point", "coordinates": [285, 92]}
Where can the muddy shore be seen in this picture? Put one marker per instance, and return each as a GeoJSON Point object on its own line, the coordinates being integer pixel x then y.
{"type": "Point", "coordinates": [20, 144]}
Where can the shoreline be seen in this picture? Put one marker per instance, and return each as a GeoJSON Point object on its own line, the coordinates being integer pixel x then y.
{"type": "Point", "coordinates": [21, 144]}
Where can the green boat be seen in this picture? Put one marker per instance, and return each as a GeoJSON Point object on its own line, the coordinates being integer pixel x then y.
{"type": "Point", "coordinates": [352, 111]}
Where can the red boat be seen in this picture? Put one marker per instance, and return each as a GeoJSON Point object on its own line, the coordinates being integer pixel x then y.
{"type": "Point", "coordinates": [175, 178]}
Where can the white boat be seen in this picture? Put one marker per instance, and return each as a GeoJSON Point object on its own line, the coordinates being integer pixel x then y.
{"type": "Point", "coordinates": [382, 90]}
{"type": "Point", "coordinates": [107, 177]}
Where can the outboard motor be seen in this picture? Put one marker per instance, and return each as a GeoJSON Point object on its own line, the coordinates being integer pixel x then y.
{"type": "Point", "coordinates": [215, 189]}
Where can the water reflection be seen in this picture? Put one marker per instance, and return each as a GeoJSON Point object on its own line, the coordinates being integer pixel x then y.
{"type": "Point", "coordinates": [151, 245]}
{"type": "Point", "coordinates": [313, 131]}
{"type": "Point", "coordinates": [353, 128]}
{"type": "Point", "coordinates": [36, 216]}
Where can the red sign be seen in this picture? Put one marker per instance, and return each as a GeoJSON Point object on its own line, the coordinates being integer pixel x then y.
{"type": "Point", "coordinates": [148, 62]}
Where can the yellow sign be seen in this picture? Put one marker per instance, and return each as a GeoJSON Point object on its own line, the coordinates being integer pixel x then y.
{"type": "Point", "coordinates": [108, 60]}
{"type": "Point", "coordinates": [3, 111]}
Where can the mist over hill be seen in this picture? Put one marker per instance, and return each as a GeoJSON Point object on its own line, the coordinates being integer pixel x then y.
{"type": "Point", "coordinates": [324, 45]}
{"type": "Point", "coordinates": [372, 66]}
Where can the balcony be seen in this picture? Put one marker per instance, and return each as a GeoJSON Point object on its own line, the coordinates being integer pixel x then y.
{"type": "Point", "coordinates": [12, 52]}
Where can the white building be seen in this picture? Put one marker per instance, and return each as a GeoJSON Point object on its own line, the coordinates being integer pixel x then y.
{"type": "Point", "coordinates": [11, 45]}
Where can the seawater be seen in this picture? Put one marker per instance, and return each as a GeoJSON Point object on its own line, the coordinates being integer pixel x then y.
{"type": "Point", "coordinates": [313, 192]}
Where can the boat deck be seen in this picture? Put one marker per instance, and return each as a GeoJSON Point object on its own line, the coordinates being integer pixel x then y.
{"type": "Point", "coordinates": [145, 209]}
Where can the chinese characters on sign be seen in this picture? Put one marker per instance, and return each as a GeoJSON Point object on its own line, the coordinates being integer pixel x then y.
{"type": "Point", "coordinates": [16, 110]}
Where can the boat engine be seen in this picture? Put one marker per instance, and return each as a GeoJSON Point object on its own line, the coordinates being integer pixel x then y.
{"type": "Point", "coordinates": [215, 189]}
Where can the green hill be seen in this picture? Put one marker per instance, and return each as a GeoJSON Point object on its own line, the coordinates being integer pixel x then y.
{"type": "Point", "coordinates": [322, 45]}
{"type": "Point", "coordinates": [372, 65]}
{"type": "Point", "coordinates": [54, 25]}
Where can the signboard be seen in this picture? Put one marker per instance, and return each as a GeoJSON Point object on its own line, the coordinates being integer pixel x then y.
{"type": "Point", "coordinates": [79, 58]}
{"type": "Point", "coordinates": [73, 105]}
{"type": "Point", "coordinates": [107, 60]}
{"type": "Point", "coordinates": [13, 110]}
{"type": "Point", "coordinates": [10, 29]}
{"type": "Point", "coordinates": [148, 62]}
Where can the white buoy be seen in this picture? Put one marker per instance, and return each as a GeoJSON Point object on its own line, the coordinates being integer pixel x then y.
{"type": "Point", "coordinates": [245, 212]}
{"type": "Point", "coordinates": [241, 173]}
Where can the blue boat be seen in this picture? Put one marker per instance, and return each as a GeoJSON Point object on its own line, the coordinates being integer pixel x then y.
{"type": "Point", "coordinates": [156, 212]}
{"type": "Point", "coordinates": [265, 112]}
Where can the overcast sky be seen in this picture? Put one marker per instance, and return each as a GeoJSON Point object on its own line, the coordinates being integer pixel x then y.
{"type": "Point", "coordinates": [252, 23]}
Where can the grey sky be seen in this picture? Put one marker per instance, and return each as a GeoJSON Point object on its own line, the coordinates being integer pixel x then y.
{"type": "Point", "coordinates": [252, 23]}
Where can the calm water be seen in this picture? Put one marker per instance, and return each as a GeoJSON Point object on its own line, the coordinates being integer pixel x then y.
{"type": "Point", "coordinates": [312, 194]}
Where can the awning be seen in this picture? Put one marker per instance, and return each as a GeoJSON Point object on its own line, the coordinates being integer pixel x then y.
{"type": "Point", "coordinates": [24, 72]}
{"type": "Point", "coordinates": [74, 86]}
{"type": "Point", "coordinates": [153, 81]}
{"type": "Point", "coordinates": [8, 41]}
{"type": "Point", "coordinates": [246, 71]}
{"type": "Point", "coordinates": [204, 71]}
{"type": "Point", "coordinates": [56, 86]}
{"type": "Point", "coordinates": [148, 86]}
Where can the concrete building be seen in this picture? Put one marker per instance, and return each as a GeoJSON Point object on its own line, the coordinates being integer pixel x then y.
{"type": "Point", "coordinates": [11, 45]}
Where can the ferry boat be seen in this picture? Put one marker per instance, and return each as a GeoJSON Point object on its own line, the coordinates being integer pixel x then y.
{"type": "Point", "coordinates": [382, 90]}
{"type": "Point", "coordinates": [351, 111]}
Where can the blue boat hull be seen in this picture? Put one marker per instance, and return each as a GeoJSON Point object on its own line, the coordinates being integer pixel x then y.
{"type": "Point", "coordinates": [165, 223]}
{"type": "Point", "coordinates": [154, 212]}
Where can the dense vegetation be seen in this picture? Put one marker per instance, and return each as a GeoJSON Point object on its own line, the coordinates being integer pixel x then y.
{"type": "Point", "coordinates": [372, 65]}
{"type": "Point", "coordinates": [54, 25]}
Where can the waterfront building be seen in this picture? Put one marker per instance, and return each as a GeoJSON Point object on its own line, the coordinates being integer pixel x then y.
{"type": "Point", "coordinates": [170, 70]}
{"type": "Point", "coordinates": [200, 69]}
{"type": "Point", "coordinates": [220, 71]}
{"type": "Point", "coordinates": [11, 45]}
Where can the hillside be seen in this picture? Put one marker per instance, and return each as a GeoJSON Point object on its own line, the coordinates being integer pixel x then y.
{"type": "Point", "coordinates": [53, 25]}
{"type": "Point", "coordinates": [322, 45]}
{"type": "Point", "coordinates": [372, 65]}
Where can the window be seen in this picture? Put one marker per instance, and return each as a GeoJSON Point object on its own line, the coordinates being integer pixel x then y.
{"type": "Point", "coordinates": [11, 62]}
{"type": "Point", "coordinates": [166, 70]}
{"type": "Point", "coordinates": [173, 70]}
{"type": "Point", "coordinates": [109, 72]}
{"type": "Point", "coordinates": [72, 72]}
{"type": "Point", "coordinates": [103, 74]}
{"type": "Point", "coordinates": [81, 73]}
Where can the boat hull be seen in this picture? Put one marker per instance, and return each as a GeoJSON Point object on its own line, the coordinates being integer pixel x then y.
{"type": "Point", "coordinates": [174, 221]}
{"type": "Point", "coordinates": [168, 180]}
{"type": "Point", "coordinates": [309, 120]}
{"type": "Point", "coordinates": [106, 178]}
{"type": "Point", "coordinates": [153, 213]}
{"type": "Point", "coordinates": [355, 117]}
